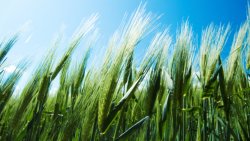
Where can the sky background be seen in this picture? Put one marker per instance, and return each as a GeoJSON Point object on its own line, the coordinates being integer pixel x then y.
{"type": "Point", "coordinates": [41, 20]}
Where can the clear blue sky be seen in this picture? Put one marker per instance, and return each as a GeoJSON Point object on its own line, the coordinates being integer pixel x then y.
{"type": "Point", "coordinates": [43, 19]}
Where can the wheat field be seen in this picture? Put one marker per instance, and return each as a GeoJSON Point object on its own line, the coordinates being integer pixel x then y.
{"type": "Point", "coordinates": [179, 91]}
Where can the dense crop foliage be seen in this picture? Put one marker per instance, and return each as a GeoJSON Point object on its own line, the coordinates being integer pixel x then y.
{"type": "Point", "coordinates": [174, 94]}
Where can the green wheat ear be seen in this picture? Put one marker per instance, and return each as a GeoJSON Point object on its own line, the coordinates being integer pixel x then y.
{"type": "Point", "coordinates": [5, 47]}
{"type": "Point", "coordinates": [134, 31]}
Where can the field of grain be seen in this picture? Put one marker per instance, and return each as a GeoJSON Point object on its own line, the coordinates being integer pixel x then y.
{"type": "Point", "coordinates": [179, 91]}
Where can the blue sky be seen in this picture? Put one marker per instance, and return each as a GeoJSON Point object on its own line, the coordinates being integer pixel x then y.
{"type": "Point", "coordinates": [42, 20]}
